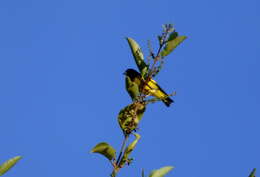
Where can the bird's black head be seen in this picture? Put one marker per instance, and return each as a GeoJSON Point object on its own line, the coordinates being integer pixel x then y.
{"type": "Point", "coordinates": [131, 73]}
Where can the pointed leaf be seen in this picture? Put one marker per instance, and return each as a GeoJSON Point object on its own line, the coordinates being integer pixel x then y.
{"type": "Point", "coordinates": [138, 56]}
{"type": "Point", "coordinates": [9, 164]}
{"type": "Point", "coordinates": [252, 174]}
{"type": "Point", "coordinates": [105, 149]}
{"type": "Point", "coordinates": [161, 172]}
{"type": "Point", "coordinates": [129, 149]}
{"type": "Point", "coordinates": [171, 44]}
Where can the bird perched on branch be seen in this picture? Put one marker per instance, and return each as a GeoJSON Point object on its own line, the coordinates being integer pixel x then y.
{"type": "Point", "coordinates": [136, 84]}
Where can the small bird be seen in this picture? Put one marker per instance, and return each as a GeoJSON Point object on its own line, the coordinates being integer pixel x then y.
{"type": "Point", "coordinates": [135, 84]}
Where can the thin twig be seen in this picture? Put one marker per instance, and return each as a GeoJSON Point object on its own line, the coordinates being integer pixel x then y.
{"type": "Point", "coordinates": [122, 149]}
{"type": "Point", "coordinates": [116, 164]}
{"type": "Point", "coordinates": [158, 57]}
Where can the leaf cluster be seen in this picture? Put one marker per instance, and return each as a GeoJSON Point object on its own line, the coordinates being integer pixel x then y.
{"type": "Point", "coordinates": [168, 41]}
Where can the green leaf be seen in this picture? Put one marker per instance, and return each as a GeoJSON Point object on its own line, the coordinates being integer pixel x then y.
{"type": "Point", "coordinates": [9, 164]}
{"type": "Point", "coordinates": [138, 56]}
{"type": "Point", "coordinates": [252, 174]}
{"type": "Point", "coordinates": [172, 43]}
{"type": "Point", "coordinates": [129, 149]}
{"type": "Point", "coordinates": [105, 149]}
{"type": "Point", "coordinates": [161, 172]}
{"type": "Point", "coordinates": [130, 116]}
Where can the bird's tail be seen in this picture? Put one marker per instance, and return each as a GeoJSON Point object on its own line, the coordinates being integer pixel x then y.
{"type": "Point", "coordinates": [167, 101]}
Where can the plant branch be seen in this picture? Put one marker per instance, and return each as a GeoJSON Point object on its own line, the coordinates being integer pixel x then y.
{"type": "Point", "coordinates": [156, 58]}
{"type": "Point", "coordinates": [122, 149]}
{"type": "Point", "coordinates": [117, 162]}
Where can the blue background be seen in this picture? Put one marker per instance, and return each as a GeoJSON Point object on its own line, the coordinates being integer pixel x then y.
{"type": "Point", "coordinates": [61, 65]}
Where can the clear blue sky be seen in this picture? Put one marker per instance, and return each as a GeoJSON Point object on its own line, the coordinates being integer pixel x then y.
{"type": "Point", "coordinates": [61, 65]}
